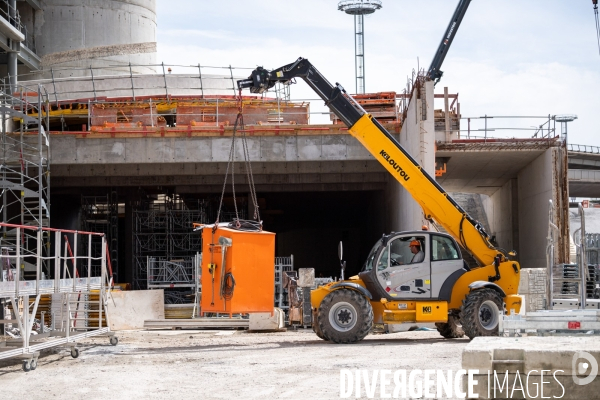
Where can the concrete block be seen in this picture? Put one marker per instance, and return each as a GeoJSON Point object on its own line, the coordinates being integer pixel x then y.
{"type": "Point", "coordinates": [477, 358]}
{"type": "Point", "coordinates": [511, 386]}
{"type": "Point", "coordinates": [129, 309]}
{"type": "Point", "coordinates": [266, 321]}
{"type": "Point", "coordinates": [514, 359]}
{"type": "Point", "coordinates": [306, 277]}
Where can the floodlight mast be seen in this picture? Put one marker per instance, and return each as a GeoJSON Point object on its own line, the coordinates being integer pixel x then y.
{"type": "Point", "coordinates": [359, 8]}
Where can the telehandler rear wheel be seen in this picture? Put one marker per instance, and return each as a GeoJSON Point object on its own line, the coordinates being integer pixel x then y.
{"type": "Point", "coordinates": [345, 316]}
{"type": "Point", "coordinates": [481, 311]}
{"type": "Point", "coordinates": [451, 329]}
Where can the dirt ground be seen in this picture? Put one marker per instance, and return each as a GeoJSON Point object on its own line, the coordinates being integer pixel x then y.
{"type": "Point", "coordinates": [213, 364]}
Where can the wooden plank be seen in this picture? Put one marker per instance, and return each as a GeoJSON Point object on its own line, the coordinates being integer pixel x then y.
{"type": "Point", "coordinates": [197, 323]}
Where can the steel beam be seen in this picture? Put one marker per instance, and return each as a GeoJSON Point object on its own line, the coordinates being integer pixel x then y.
{"type": "Point", "coordinates": [29, 58]}
{"type": "Point", "coordinates": [35, 4]}
{"type": "Point", "coordinates": [10, 31]}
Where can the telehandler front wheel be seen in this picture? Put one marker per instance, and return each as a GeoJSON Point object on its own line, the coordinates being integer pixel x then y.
{"type": "Point", "coordinates": [315, 326]}
{"type": "Point", "coordinates": [481, 313]}
{"type": "Point", "coordinates": [451, 329]}
{"type": "Point", "coordinates": [345, 316]}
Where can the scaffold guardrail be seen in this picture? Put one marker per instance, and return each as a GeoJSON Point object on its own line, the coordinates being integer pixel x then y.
{"type": "Point", "coordinates": [65, 280]}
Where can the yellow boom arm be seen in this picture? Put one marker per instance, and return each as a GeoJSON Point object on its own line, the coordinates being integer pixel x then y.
{"type": "Point", "coordinates": [436, 203]}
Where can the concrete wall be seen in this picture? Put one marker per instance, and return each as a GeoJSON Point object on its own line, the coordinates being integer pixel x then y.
{"type": "Point", "coordinates": [80, 33]}
{"type": "Point", "coordinates": [535, 188]}
{"type": "Point", "coordinates": [518, 211]}
{"type": "Point", "coordinates": [418, 138]}
{"type": "Point", "coordinates": [68, 149]}
{"type": "Point", "coordinates": [501, 209]}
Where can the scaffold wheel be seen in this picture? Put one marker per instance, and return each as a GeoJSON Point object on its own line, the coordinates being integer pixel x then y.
{"type": "Point", "coordinates": [26, 366]}
{"type": "Point", "coordinates": [114, 340]}
{"type": "Point", "coordinates": [33, 365]}
{"type": "Point", "coordinates": [74, 352]}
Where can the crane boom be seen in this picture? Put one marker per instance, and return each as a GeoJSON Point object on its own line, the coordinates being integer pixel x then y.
{"type": "Point", "coordinates": [435, 202]}
{"type": "Point", "coordinates": [434, 73]}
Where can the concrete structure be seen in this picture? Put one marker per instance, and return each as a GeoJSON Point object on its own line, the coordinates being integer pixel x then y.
{"type": "Point", "coordinates": [418, 138]}
{"type": "Point", "coordinates": [324, 164]}
{"type": "Point", "coordinates": [584, 171]}
{"type": "Point", "coordinates": [518, 180]}
{"type": "Point", "coordinates": [129, 309]}
{"type": "Point", "coordinates": [78, 35]}
{"type": "Point", "coordinates": [565, 361]}
{"type": "Point", "coordinates": [299, 170]}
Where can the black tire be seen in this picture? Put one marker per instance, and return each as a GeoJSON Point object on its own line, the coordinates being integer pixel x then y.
{"type": "Point", "coordinates": [451, 329]}
{"type": "Point", "coordinates": [481, 312]}
{"type": "Point", "coordinates": [33, 364]}
{"type": "Point", "coordinates": [345, 316]}
{"type": "Point", "coordinates": [74, 352]}
{"type": "Point", "coordinates": [114, 340]}
{"type": "Point", "coordinates": [315, 326]}
{"type": "Point", "coordinates": [26, 366]}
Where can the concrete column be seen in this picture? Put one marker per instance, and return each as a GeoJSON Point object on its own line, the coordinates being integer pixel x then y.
{"type": "Point", "coordinates": [418, 138]}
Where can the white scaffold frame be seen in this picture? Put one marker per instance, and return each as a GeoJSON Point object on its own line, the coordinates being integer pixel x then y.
{"type": "Point", "coordinates": [72, 289]}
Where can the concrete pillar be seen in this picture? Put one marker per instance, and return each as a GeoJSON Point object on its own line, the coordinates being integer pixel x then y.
{"type": "Point", "coordinates": [418, 138]}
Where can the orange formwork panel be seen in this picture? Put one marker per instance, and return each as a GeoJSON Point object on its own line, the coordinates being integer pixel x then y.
{"type": "Point", "coordinates": [246, 283]}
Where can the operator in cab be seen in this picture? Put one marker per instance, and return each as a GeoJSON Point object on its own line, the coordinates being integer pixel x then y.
{"type": "Point", "coordinates": [415, 248]}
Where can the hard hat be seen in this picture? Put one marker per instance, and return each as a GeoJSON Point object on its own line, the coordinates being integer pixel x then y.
{"type": "Point", "coordinates": [415, 243]}
{"type": "Point", "coordinates": [425, 228]}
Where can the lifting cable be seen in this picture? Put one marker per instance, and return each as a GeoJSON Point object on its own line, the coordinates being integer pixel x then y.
{"type": "Point", "coordinates": [595, 2]}
{"type": "Point", "coordinates": [237, 223]}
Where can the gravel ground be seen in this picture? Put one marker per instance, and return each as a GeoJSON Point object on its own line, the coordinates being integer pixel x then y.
{"type": "Point", "coordinates": [211, 364]}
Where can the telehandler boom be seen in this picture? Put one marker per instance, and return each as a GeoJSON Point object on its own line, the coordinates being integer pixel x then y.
{"type": "Point", "coordinates": [396, 285]}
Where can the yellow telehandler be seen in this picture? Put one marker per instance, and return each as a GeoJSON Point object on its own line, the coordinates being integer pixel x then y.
{"type": "Point", "coordinates": [408, 277]}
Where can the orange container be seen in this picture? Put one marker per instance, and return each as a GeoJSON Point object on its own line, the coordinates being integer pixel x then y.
{"type": "Point", "coordinates": [246, 283]}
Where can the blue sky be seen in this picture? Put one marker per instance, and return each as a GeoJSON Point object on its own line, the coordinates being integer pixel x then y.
{"type": "Point", "coordinates": [510, 57]}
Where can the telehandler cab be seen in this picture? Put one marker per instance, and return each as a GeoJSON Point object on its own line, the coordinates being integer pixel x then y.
{"type": "Point", "coordinates": [394, 286]}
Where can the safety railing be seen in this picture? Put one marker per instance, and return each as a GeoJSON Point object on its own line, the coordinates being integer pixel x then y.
{"type": "Point", "coordinates": [102, 97]}
{"type": "Point", "coordinates": [517, 127]}
{"type": "Point", "coordinates": [13, 17]}
{"type": "Point", "coordinates": [74, 294]}
{"type": "Point", "coordinates": [583, 148]}
{"type": "Point", "coordinates": [65, 269]}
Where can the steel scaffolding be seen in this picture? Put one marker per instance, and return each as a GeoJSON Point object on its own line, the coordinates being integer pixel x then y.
{"type": "Point", "coordinates": [25, 173]}
{"type": "Point", "coordinates": [166, 247]}
{"type": "Point", "coordinates": [101, 214]}
{"type": "Point", "coordinates": [75, 295]}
